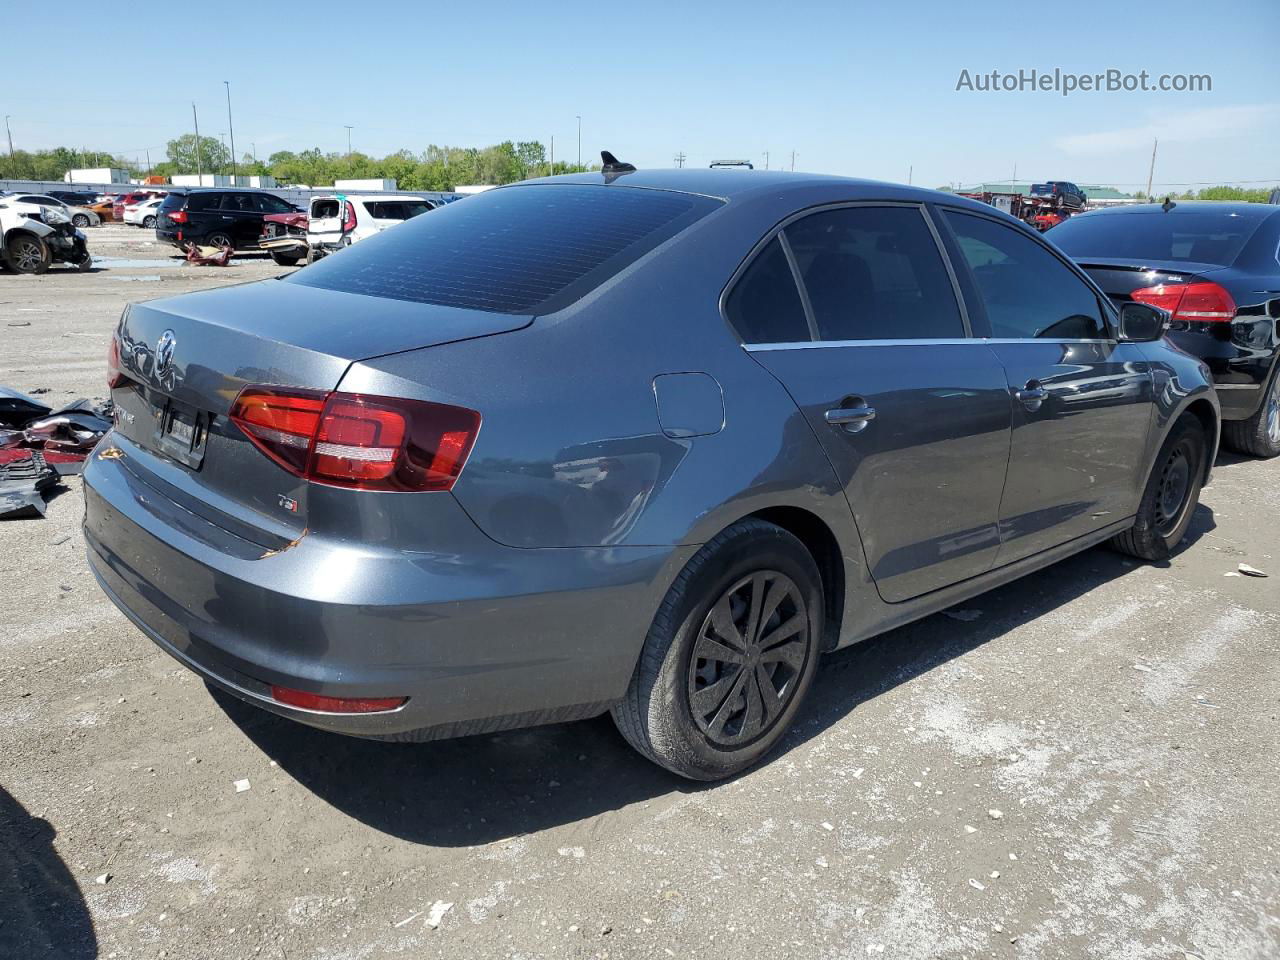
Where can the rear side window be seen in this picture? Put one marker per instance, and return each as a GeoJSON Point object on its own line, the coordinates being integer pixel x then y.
{"type": "Point", "coordinates": [1027, 291]}
{"type": "Point", "coordinates": [525, 250]}
{"type": "Point", "coordinates": [1206, 237]}
{"type": "Point", "coordinates": [764, 305]}
{"type": "Point", "coordinates": [324, 209]}
{"type": "Point", "coordinates": [204, 201]}
{"type": "Point", "coordinates": [875, 273]}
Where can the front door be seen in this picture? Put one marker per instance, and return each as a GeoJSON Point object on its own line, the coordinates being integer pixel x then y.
{"type": "Point", "coordinates": [1082, 401]}
{"type": "Point", "coordinates": [913, 414]}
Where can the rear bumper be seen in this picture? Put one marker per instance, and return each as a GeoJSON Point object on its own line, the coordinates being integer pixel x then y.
{"type": "Point", "coordinates": [1241, 365]}
{"type": "Point", "coordinates": [471, 636]}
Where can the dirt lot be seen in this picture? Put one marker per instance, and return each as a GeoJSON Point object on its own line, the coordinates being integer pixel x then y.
{"type": "Point", "coordinates": [1084, 765]}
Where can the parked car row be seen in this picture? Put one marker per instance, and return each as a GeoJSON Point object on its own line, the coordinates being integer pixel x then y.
{"type": "Point", "coordinates": [647, 443]}
{"type": "Point", "coordinates": [248, 219]}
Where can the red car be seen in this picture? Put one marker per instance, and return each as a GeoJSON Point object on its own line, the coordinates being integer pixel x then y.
{"type": "Point", "coordinates": [123, 200]}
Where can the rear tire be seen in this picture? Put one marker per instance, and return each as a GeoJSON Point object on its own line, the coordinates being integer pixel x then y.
{"type": "Point", "coordinates": [149, 222]}
{"type": "Point", "coordinates": [284, 261]}
{"type": "Point", "coordinates": [80, 220]}
{"type": "Point", "coordinates": [218, 239]}
{"type": "Point", "coordinates": [1259, 435]}
{"type": "Point", "coordinates": [1172, 492]}
{"type": "Point", "coordinates": [718, 682]}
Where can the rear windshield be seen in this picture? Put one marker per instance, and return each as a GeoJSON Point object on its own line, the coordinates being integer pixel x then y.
{"type": "Point", "coordinates": [530, 249]}
{"type": "Point", "coordinates": [173, 201]}
{"type": "Point", "coordinates": [1206, 237]}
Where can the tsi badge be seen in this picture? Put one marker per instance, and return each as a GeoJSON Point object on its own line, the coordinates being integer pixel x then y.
{"type": "Point", "coordinates": [288, 503]}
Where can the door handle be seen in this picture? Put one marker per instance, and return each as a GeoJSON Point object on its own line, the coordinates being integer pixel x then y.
{"type": "Point", "coordinates": [852, 416]}
{"type": "Point", "coordinates": [1032, 395]}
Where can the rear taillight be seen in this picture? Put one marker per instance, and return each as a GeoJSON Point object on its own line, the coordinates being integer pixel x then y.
{"type": "Point", "coordinates": [114, 376]}
{"type": "Point", "coordinates": [352, 440]}
{"type": "Point", "coordinates": [1202, 302]}
{"type": "Point", "coordinates": [315, 701]}
{"type": "Point", "coordinates": [349, 222]}
{"type": "Point", "coordinates": [178, 216]}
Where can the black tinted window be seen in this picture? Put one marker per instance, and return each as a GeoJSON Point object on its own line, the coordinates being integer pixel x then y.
{"type": "Point", "coordinates": [1027, 291]}
{"type": "Point", "coordinates": [240, 202]}
{"type": "Point", "coordinates": [269, 204]}
{"type": "Point", "coordinates": [874, 273]}
{"type": "Point", "coordinates": [204, 201]}
{"type": "Point", "coordinates": [324, 209]}
{"type": "Point", "coordinates": [527, 249]}
{"type": "Point", "coordinates": [764, 305]}
{"type": "Point", "coordinates": [396, 209]}
{"type": "Point", "coordinates": [1200, 237]}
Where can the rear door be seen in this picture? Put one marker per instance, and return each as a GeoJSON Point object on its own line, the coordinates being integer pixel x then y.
{"type": "Point", "coordinates": [242, 218]}
{"type": "Point", "coordinates": [854, 310]}
{"type": "Point", "coordinates": [325, 222]}
{"type": "Point", "coordinates": [1082, 406]}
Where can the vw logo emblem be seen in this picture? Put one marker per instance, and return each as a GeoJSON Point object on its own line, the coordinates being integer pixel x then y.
{"type": "Point", "coordinates": [164, 352]}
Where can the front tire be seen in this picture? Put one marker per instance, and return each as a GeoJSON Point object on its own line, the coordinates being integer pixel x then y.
{"type": "Point", "coordinates": [730, 655]}
{"type": "Point", "coordinates": [149, 223]}
{"type": "Point", "coordinates": [1172, 492]}
{"type": "Point", "coordinates": [80, 220]}
{"type": "Point", "coordinates": [1259, 435]}
{"type": "Point", "coordinates": [27, 254]}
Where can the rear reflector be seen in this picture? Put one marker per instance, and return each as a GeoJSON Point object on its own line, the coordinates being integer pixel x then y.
{"type": "Point", "coordinates": [1203, 302]}
{"type": "Point", "coordinates": [353, 440]}
{"type": "Point", "coordinates": [314, 701]}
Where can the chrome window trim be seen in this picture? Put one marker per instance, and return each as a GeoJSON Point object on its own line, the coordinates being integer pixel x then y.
{"type": "Point", "coordinates": [1237, 386]}
{"type": "Point", "coordinates": [939, 342]}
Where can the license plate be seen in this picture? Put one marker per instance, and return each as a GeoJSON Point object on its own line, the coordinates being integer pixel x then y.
{"type": "Point", "coordinates": [181, 432]}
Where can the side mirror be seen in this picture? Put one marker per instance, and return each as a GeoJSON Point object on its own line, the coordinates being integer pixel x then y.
{"type": "Point", "coordinates": [1142, 323]}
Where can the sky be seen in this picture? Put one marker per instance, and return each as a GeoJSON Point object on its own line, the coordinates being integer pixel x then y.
{"type": "Point", "coordinates": [853, 88]}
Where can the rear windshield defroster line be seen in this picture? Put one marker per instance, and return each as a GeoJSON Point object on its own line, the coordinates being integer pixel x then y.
{"type": "Point", "coordinates": [524, 250]}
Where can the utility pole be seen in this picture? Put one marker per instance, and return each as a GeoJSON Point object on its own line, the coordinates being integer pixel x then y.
{"type": "Point", "coordinates": [254, 147]}
{"type": "Point", "coordinates": [680, 158]}
{"type": "Point", "coordinates": [1014, 184]}
{"type": "Point", "coordinates": [793, 161]}
{"type": "Point", "coordinates": [232, 128]}
{"type": "Point", "coordinates": [199, 172]}
{"type": "Point", "coordinates": [579, 142]}
{"type": "Point", "coordinates": [766, 159]}
{"type": "Point", "coordinates": [148, 163]}
{"type": "Point", "coordinates": [910, 171]}
{"type": "Point", "coordinates": [1150, 173]}
{"type": "Point", "coordinates": [551, 172]}
{"type": "Point", "coordinates": [348, 126]}
{"type": "Point", "coordinates": [9, 135]}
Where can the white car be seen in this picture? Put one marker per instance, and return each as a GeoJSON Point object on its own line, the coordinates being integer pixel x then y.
{"type": "Point", "coordinates": [329, 227]}
{"type": "Point", "coordinates": [143, 214]}
{"type": "Point", "coordinates": [30, 204]}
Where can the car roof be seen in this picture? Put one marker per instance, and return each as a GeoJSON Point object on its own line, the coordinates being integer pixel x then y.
{"type": "Point", "coordinates": [733, 184]}
{"type": "Point", "coordinates": [1254, 211]}
{"type": "Point", "coordinates": [370, 196]}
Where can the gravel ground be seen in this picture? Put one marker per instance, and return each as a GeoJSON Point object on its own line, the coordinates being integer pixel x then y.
{"type": "Point", "coordinates": [1083, 764]}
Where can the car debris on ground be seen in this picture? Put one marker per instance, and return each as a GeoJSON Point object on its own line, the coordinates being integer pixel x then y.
{"type": "Point", "coordinates": [39, 444]}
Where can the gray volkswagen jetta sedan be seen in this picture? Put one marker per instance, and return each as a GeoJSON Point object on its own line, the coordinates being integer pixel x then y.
{"type": "Point", "coordinates": [640, 442]}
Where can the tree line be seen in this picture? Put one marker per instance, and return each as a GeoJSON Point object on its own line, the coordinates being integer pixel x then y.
{"type": "Point", "coordinates": [436, 168]}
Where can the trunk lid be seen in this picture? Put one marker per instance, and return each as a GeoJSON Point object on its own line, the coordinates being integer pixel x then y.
{"type": "Point", "coordinates": [187, 358]}
{"type": "Point", "coordinates": [1119, 278]}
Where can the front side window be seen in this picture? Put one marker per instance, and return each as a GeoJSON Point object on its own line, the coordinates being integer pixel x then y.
{"type": "Point", "coordinates": [764, 305]}
{"type": "Point", "coordinates": [874, 273]}
{"type": "Point", "coordinates": [1027, 291]}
